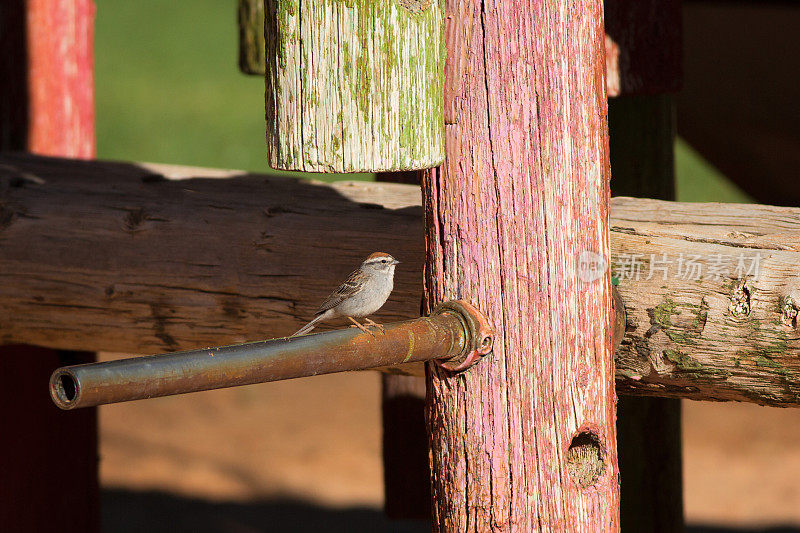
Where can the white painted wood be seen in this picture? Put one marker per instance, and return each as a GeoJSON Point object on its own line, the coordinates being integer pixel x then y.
{"type": "Point", "coordinates": [354, 85]}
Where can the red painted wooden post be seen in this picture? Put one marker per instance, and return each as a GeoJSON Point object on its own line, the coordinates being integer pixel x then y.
{"type": "Point", "coordinates": [524, 440]}
{"type": "Point", "coordinates": [61, 77]}
{"type": "Point", "coordinates": [46, 107]}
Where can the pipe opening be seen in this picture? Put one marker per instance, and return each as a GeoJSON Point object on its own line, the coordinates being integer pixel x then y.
{"type": "Point", "coordinates": [66, 388]}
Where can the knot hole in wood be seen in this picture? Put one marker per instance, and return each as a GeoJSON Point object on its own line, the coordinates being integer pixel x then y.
{"type": "Point", "coordinates": [740, 299]}
{"type": "Point", "coordinates": [415, 6]}
{"type": "Point", "coordinates": [585, 459]}
{"type": "Point", "coordinates": [789, 310]}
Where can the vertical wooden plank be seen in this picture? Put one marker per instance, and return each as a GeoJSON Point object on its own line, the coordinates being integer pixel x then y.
{"type": "Point", "coordinates": [251, 36]}
{"type": "Point", "coordinates": [643, 46]}
{"type": "Point", "coordinates": [642, 133]}
{"type": "Point", "coordinates": [47, 107]}
{"type": "Point", "coordinates": [61, 77]}
{"type": "Point", "coordinates": [406, 475]}
{"type": "Point", "coordinates": [48, 470]}
{"type": "Point", "coordinates": [364, 77]}
{"type": "Point", "coordinates": [517, 223]}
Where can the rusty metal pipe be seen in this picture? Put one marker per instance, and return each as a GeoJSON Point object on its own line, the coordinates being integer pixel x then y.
{"type": "Point", "coordinates": [456, 333]}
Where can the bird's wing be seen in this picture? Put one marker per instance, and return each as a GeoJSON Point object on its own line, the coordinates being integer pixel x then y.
{"type": "Point", "coordinates": [350, 286]}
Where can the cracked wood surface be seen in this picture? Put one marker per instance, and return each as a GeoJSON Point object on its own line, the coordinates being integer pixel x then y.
{"type": "Point", "coordinates": [717, 297]}
{"type": "Point", "coordinates": [354, 85]}
{"type": "Point", "coordinates": [145, 259]}
{"type": "Point", "coordinates": [524, 440]}
{"type": "Point", "coordinates": [122, 257]}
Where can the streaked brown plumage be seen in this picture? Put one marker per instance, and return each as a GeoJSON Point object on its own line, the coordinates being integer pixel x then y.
{"type": "Point", "coordinates": [361, 294]}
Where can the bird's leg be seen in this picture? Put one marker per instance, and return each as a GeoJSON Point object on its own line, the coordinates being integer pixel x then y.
{"type": "Point", "coordinates": [359, 326]}
{"type": "Point", "coordinates": [369, 322]}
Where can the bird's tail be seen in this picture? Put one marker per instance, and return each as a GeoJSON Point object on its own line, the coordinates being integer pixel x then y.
{"type": "Point", "coordinates": [311, 325]}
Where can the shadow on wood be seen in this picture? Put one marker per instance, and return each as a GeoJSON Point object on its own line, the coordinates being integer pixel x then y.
{"type": "Point", "coordinates": [131, 258]}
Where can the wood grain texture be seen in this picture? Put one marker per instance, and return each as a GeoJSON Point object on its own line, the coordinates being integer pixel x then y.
{"type": "Point", "coordinates": [136, 258]}
{"type": "Point", "coordinates": [523, 191]}
{"type": "Point", "coordinates": [47, 89]}
{"type": "Point", "coordinates": [724, 285]}
{"type": "Point", "coordinates": [354, 85]}
{"type": "Point", "coordinates": [131, 261]}
{"type": "Point", "coordinates": [642, 40]}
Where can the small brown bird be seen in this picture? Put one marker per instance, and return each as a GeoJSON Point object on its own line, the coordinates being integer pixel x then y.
{"type": "Point", "coordinates": [364, 292]}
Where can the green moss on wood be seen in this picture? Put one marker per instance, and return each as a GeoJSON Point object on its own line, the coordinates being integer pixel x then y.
{"type": "Point", "coordinates": [681, 360]}
{"type": "Point", "coordinates": [251, 37]}
{"type": "Point", "coordinates": [382, 65]}
{"type": "Point", "coordinates": [663, 315]}
{"type": "Point", "coordinates": [664, 311]}
{"type": "Point", "coordinates": [760, 360]}
{"type": "Point", "coordinates": [628, 373]}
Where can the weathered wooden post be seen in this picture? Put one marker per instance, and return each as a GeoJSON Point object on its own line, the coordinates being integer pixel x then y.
{"type": "Point", "coordinates": [357, 86]}
{"type": "Point", "coordinates": [643, 51]}
{"type": "Point", "coordinates": [252, 50]}
{"type": "Point", "coordinates": [48, 77]}
{"type": "Point", "coordinates": [46, 107]}
{"type": "Point", "coordinates": [517, 222]}
{"type": "Point", "coordinates": [354, 86]}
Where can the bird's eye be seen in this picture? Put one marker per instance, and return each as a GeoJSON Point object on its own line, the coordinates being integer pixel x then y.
{"type": "Point", "coordinates": [383, 260]}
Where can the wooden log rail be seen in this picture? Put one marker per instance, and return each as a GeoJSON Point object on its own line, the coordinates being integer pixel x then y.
{"type": "Point", "coordinates": [137, 258]}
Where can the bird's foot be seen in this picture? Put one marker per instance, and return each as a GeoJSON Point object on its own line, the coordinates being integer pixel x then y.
{"type": "Point", "coordinates": [359, 326]}
{"type": "Point", "coordinates": [369, 322]}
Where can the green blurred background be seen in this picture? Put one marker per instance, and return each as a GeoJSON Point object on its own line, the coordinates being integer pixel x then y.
{"type": "Point", "coordinates": [169, 90]}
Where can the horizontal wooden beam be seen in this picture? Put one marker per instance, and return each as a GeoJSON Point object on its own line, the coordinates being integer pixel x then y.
{"type": "Point", "coordinates": [712, 293]}
{"type": "Point", "coordinates": [137, 258]}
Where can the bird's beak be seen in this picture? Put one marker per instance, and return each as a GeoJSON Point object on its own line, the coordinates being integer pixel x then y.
{"type": "Point", "coordinates": [395, 262]}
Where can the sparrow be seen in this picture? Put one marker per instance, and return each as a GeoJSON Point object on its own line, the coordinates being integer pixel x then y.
{"type": "Point", "coordinates": [362, 293]}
